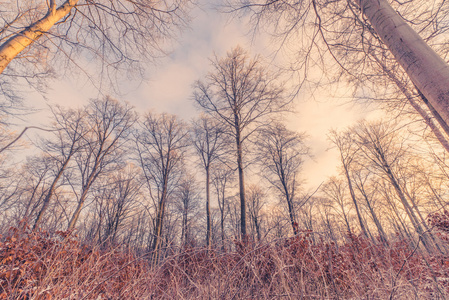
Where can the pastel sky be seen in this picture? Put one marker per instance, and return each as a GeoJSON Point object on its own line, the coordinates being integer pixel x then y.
{"type": "Point", "coordinates": [169, 88]}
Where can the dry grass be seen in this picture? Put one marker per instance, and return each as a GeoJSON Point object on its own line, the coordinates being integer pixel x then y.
{"type": "Point", "coordinates": [37, 266]}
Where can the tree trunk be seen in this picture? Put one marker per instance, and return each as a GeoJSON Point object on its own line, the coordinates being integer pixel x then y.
{"type": "Point", "coordinates": [426, 117]}
{"type": "Point", "coordinates": [50, 194]}
{"type": "Point", "coordinates": [208, 228]}
{"type": "Point", "coordinates": [20, 41]}
{"type": "Point", "coordinates": [291, 213]}
{"type": "Point", "coordinates": [241, 186]}
{"type": "Point", "coordinates": [398, 218]}
{"type": "Point", "coordinates": [354, 199]}
{"type": "Point", "coordinates": [159, 222]}
{"type": "Point", "coordinates": [184, 227]}
{"type": "Point", "coordinates": [257, 227]}
{"type": "Point", "coordinates": [408, 209]}
{"type": "Point", "coordinates": [380, 229]}
{"type": "Point", "coordinates": [77, 212]}
{"type": "Point", "coordinates": [222, 224]}
{"type": "Point", "coordinates": [427, 70]}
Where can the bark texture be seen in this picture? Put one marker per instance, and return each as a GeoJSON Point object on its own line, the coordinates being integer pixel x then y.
{"type": "Point", "coordinates": [20, 41]}
{"type": "Point", "coordinates": [428, 71]}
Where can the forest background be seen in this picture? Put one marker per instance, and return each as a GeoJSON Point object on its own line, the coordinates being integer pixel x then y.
{"type": "Point", "coordinates": [325, 177]}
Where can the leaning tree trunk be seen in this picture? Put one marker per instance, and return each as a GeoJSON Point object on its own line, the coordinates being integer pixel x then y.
{"type": "Point", "coordinates": [79, 207]}
{"type": "Point", "coordinates": [411, 100]}
{"type": "Point", "coordinates": [427, 70]}
{"type": "Point", "coordinates": [50, 193]}
{"type": "Point", "coordinates": [20, 41]}
{"type": "Point", "coordinates": [354, 199]}
{"type": "Point", "coordinates": [380, 229]}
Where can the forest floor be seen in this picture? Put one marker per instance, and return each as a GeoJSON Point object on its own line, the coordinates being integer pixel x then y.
{"type": "Point", "coordinates": [37, 265]}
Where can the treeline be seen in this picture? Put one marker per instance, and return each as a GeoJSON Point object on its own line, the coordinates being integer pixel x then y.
{"type": "Point", "coordinates": [155, 183]}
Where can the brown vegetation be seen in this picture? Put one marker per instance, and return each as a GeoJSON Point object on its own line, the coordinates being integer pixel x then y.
{"type": "Point", "coordinates": [37, 265]}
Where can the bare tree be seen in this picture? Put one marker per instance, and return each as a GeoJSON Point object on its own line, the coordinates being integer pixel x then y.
{"type": "Point", "coordinates": [348, 150]}
{"type": "Point", "coordinates": [379, 144]}
{"type": "Point", "coordinates": [27, 195]}
{"type": "Point", "coordinates": [209, 143]}
{"type": "Point", "coordinates": [39, 34]}
{"type": "Point", "coordinates": [188, 203]}
{"type": "Point", "coordinates": [69, 138]}
{"type": "Point", "coordinates": [363, 181]}
{"type": "Point", "coordinates": [222, 179]}
{"type": "Point", "coordinates": [241, 94]}
{"type": "Point", "coordinates": [360, 34]}
{"type": "Point", "coordinates": [118, 199]}
{"type": "Point", "coordinates": [281, 154]}
{"type": "Point", "coordinates": [335, 190]}
{"type": "Point", "coordinates": [256, 202]}
{"type": "Point", "coordinates": [110, 122]}
{"type": "Point", "coordinates": [161, 144]}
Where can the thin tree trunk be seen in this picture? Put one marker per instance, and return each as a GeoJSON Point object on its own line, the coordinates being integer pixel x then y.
{"type": "Point", "coordinates": [159, 222]}
{"type": "Point", "coordinates": [208, 228]}
{"type": "Point", "coordinates": [380, 229]}
{"type": "Point", "coordinates": [408, 208]}
{"type": "Point", "coordinates": [222, 222]}
{"type": "Point", "coordinates": [427, 70]}
{"type": "Point", "coordinates": [291, 214]}
{"type": "Point", "coordinates": [423, 221]}
{"type": "Point", "coordinates": [291, 209]}
{"type": "Point", "coordinates": [437, 116]}
{"type": "Point", "coordinates": [241, 186]}
{"type": "Point", "coordinates": [354, 199]}
{"type": "Point", "coordinates": [184, 227]}
{"type": "Point", "coordinates": [77, 212]}
{"type": "Point", "coordinates": [50, 193]}
{"type": "Point", "coordinates": [20, 41]}
{"type": "Point", "coordinates": [257, 226]}
{"type": "Point", "coordinates": [398, 217]}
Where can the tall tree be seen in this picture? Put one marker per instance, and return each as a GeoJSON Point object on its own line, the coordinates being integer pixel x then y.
{"type": "Point", "coordinates": [209, 143]}
{"type": "Point", "coordinates": [348, 150]}
{"type": "Point", "coordinates": [70, 133]}
{"type": "Point", "coordinates": [361, 177]}
{"type": "Point", "coordinates": [161, 143]}
{"type": "Point", "coordinates": [380, 145]}
{"type": "Point", "coordinates": [117, 201]}
{"type": "Point", "coordinates": [241, 94]}
{"type": "Point", "coordinates": [222, 178]}
{"type": "Point", "coordinates": [256, 201]}
{"type": "Point", "coordinates": [335, 189]}
{"type": "Point", "coordinates": [281, 154]}
{"type": "Point", "coordinates": [188, 204]}
{"type": "Point", "coordinates": [110, 122]}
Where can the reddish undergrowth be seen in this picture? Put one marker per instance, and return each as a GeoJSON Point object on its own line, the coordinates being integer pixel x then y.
{"type": "Point", "coordinates": [35, 265]}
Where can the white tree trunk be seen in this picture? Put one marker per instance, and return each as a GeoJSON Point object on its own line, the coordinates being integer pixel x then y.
{"type": "Point", "coordinates": [428, 71]}
{"type": "Point", "coordinates": [18, 42]}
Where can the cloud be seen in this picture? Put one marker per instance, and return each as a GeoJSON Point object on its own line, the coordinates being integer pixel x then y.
{"type": "Point", "coordinates": [170, 86]}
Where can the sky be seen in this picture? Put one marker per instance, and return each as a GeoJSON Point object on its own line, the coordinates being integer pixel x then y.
{"type": "Point", "coordinates": [169, 88]}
